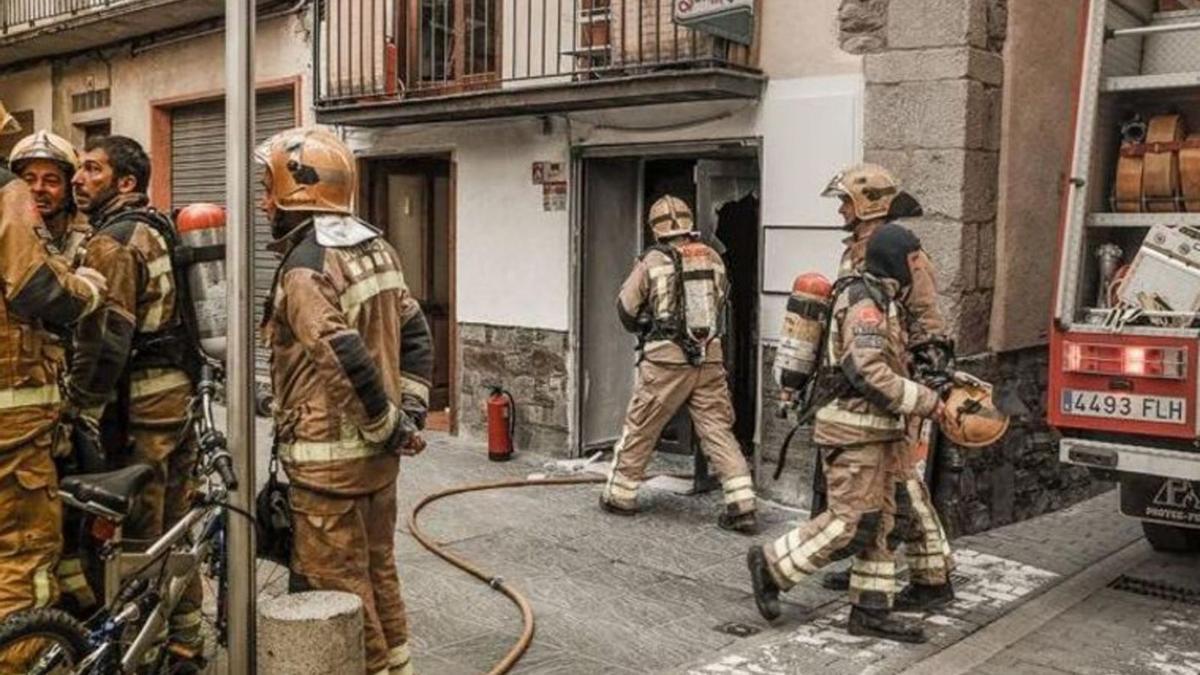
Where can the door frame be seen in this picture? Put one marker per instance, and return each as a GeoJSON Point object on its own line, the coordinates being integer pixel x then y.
{"type": "Point", "coordinates": [708, 148]}
{"type": "Point", "coordinates": [366, 166]}
{"type": "Point", "coordinates": [160, 149]}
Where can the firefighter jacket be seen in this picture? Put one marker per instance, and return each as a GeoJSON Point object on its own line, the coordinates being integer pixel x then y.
{"type": "Point", "coordinates": [926, 321]}
{"type": "Point", "coordinates": [39, 290]}
{"type": "Point", "coordinates": [71, 244]}
{"type": "Point", "coordinates": [349, 349]}
{"type": "Point", "coordinates": [131, 342]}
{"type": "Point", "coordinates": [674, 300]}
{"type": "Point", "coordinates": [867, 348]}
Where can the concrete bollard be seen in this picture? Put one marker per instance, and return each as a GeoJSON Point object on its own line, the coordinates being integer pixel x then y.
{"type": "Point", "coordinates": [315, 633]}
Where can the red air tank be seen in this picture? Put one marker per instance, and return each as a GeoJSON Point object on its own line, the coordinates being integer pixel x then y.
{"type": "Point", "coordinates": [501, 424]}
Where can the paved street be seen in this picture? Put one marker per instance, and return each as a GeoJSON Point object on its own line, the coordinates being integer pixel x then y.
{"type": "Point", "coordinates": [667, 591]}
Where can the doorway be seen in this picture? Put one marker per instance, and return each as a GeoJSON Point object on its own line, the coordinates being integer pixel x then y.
{"type": "Point", "coordinates": [722, 186]}
{"type": "Point", "coordinates": [410, 199]}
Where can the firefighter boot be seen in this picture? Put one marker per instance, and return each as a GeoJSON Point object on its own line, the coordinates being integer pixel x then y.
{"type": "Point", "coordinates": [923, 597]}
{"type": "Point", "coordinates": [836, 581]}
{"type": "Point", "coordinates": [766, 591]}
{"type": "Point", "coordinates": [609, 507]}
{"type": "Point", "coordinates": [743, 523]}
{"type": "Point", "coordinates": [881, 624]}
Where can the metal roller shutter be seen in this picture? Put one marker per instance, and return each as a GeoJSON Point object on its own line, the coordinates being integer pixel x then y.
{"type": "Point", "coordinates": [198, 173]}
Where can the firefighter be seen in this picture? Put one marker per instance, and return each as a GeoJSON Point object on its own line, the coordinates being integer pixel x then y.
{"type": "Point", "coordinates": [351, 361]}
{"type": "Point", "coordinates": [39, 289]}
{"type": "Point", "coordinates": [134, 365]}
{"type": "Point", "coordinates": [870, 196]}
{"type": "Point", "coordinates": [863, 396]}
{"type": "Point", "coordinates": [674, 300]}
{"type": "Point", "coordinates": [47, 163]}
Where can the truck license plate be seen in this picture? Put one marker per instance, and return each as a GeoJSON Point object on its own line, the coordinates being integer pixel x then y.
{"type": "Point", "coordinates": [1163, 409]}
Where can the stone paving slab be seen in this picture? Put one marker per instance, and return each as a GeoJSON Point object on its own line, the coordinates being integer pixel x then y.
{"type": "Point", "coordinates": [1118, 631]}
{"type": "Point", "coordinates": [648, 594]}
{"type": "Point", "coordinates": [995, 572]}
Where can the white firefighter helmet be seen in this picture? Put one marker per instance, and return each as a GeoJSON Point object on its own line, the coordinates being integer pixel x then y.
{"type": "Point", "coordinates": [48, 146]}
{"type": "Point", "coordinates": [972, 419]}
{"type": "Point", "coordinates": [870, 187]}
{"type": "Point", "coordinates": [310, 170]}
{"type": "Point", "coordinates": [670, 216]}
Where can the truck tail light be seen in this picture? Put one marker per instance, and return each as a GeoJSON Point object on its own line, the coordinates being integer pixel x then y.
{"type": "Point", "coordinates": [1096, 359]}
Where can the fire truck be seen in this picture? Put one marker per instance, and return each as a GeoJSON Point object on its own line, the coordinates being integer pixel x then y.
{"type": "Point", "coordinates": [1124, 341]}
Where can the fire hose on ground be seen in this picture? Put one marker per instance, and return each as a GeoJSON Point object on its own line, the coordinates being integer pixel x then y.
{"type": "Point", "coordinates": [495, 582]}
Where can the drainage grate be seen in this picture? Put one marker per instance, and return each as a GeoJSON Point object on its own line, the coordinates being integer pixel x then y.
{"type": "Point", "coordinates": [1157, 589]}
{"type": "Point", "coordinates": [739, 630]}
{"type": "Point", "coordinates": [959, 579]}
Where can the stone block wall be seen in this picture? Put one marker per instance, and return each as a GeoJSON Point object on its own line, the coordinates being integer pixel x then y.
{"type": "Point", "coordinates": [934, 70]}
{"type": "Point", "coordinates": [1021, 477]}
{"type": "Point", "coordinates": [531, 363]}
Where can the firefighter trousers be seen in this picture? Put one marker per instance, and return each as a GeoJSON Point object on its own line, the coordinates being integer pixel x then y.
{"type": "Point", "coordinates": [660, 391]}
{"type": "Point", "coordinates": [918, 527]}
{"type": "Point", "coordinates": [30, 537]}
{"type": "Point", "coordinates": [30, 527]}
{"type": "Point", "coordinates": [859, 518]}
{"type": "Point", "coordinates": [160, 437]}
{"type": "Point", "coordinates": [348, 544]}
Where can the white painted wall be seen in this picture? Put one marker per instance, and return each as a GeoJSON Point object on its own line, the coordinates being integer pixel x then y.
{"type": "Point", "coordinates": [188, 68]}
{"type": "Point", "coordinates": [810, 127]}
{"type": "Point", "coordinates": [29, 89]}
{"type": "Point", "coordinates": [513, 256]}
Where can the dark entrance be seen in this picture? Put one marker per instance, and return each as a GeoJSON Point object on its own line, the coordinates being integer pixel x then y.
{"type": "Point", "coordinates": [722, 187]}
{"type": "Point", "coordinates": [410, 200]}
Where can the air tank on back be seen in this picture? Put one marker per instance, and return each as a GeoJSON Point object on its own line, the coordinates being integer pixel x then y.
{"type": "Point", "coordinates": [202, 230]}
{"type": "Point", "coordinates": [803, 329]}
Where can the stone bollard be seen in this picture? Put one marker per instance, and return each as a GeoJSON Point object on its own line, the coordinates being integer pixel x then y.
{"type": "Point", "coordinates": [315, 633]}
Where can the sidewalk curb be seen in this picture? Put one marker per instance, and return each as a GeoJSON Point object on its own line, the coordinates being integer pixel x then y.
{"type": "Point", "coordinates": [977, 648]}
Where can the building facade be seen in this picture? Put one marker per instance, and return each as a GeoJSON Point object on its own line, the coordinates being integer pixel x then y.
{"type": "Point", "coordinates": [510, 149]}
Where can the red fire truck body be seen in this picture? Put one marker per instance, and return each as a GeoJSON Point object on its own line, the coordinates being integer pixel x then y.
{"type": "Point", "coordinates": [1124, 376]}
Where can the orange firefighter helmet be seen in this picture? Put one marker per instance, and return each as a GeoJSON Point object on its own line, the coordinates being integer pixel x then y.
{"type": "Point", "coordinates": [310, 169]}
{"type": "Point", "coordinates": [972, 419]}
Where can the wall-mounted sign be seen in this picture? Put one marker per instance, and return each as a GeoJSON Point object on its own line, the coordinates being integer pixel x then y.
{"type": "Point", "coordinates": [729, 19]}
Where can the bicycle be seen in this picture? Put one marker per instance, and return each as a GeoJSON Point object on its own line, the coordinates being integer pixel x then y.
{"type": "Point", "coordinates": [142, 589]}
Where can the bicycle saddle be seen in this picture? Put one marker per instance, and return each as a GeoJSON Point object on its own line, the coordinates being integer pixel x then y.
{"type": "Point", "coordinates": [113, 490]}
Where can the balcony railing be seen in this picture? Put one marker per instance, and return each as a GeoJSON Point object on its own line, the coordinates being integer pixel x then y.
{"type": "Point", "coordinates": [390, 50]}
{"type": "Point", "coordinates": [16, 14]}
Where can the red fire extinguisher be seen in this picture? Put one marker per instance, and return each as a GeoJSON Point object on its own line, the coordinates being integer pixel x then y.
{"type": "Point", "coordinates": [501, 424]}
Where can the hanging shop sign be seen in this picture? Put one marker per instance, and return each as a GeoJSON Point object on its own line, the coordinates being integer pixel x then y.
{"type": "Point", "coordinates": [729, 19]}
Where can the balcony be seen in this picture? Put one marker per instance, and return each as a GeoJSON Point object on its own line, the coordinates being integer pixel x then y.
{"type": "Point", "coordinates": [393, 62]}
{"type": "Point", "coordinates": [35, 29]}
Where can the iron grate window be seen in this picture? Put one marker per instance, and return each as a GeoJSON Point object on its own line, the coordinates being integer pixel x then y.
{"type": "Point", "coordinates": [91, 100]}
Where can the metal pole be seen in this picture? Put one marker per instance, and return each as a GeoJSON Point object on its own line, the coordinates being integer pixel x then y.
{"type": "Point", "coordinates": [239, 265]}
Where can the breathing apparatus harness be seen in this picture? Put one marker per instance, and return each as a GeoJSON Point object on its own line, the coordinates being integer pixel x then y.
{"type": "Point", "coordinates": [676, 329]}
{"type": "Point", "coordinates": [177, 346]}
{"type": "Point", "coordinates": [829, 383]}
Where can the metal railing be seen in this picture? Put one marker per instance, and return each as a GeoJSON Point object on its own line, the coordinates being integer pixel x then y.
{"type": "Point", "coordinates": [16, 14]}
{"type": "Point", "coordinates": [371, 50]}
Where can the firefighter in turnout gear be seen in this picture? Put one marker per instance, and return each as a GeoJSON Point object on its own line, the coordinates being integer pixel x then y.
{"type": "Point", "coordinates": [47, 162]}
{"type": "Point", "coordinates": [351, 361]}
{"type": "Point", "coordinates": [39, 290]}
{"type": "Point", "coordinates": [674, 300]}
{"type": "Point", "coordinates": [133, 366]}
{"type": "Point", "coordinates": [870, 196]}
{"type": "Point", "coordinates": [864, 395]}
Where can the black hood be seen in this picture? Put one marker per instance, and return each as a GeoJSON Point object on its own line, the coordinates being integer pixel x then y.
{"type": "Point", "coordinates": [888, 252]}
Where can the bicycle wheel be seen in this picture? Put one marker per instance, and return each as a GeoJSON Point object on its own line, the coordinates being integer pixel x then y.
{"type": "Point", "coordinates": [41, 642]}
